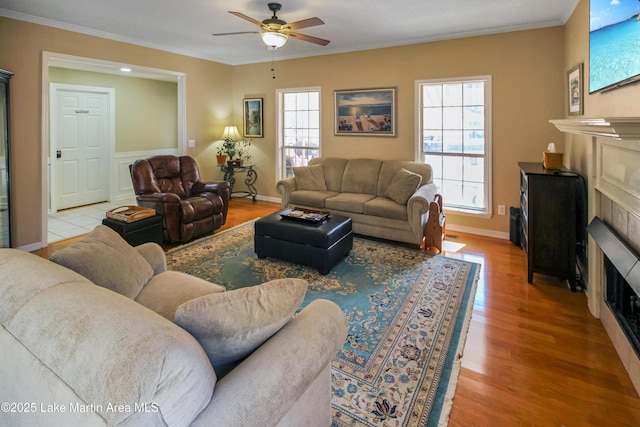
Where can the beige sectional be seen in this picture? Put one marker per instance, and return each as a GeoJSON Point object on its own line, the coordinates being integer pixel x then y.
{"type": "Point", "coordinates": [138, 345]}
{"type": "Point", "coordinates": [388, 199]}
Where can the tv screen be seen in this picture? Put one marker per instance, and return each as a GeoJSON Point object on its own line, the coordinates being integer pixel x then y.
{"type": "Point", "coordinates": [614, 43]}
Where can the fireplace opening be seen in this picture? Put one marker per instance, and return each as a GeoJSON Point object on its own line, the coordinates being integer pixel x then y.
{"type": "Point", "coordinates": [624, 302]}
{"type": "Point", "coordinates": [622, 279]}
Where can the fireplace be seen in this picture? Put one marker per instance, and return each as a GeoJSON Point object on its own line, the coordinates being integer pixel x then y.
{"type": "Point", "coordinates": [609, 158]}
{"type": "Point", "coordinates": [622, 280]}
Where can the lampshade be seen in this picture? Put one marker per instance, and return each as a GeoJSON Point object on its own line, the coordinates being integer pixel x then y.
{"type": "Point", "coordinates": [274, 39]}
{"type": "Point", "coordinates": [232, 133]}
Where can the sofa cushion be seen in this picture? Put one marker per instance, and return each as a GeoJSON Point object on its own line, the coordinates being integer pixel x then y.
{"type": "Point", "coordinates": [403, 185]}
{"type": "Point", "coordinates": [333, 171]}
{"type": "Point", "coordinates": [348, 202]}
{"type": "Point", "coordinates": [310, 178]}
{"type": "Point", "coordinates": [361, 176]}
{"type": "Point", "coordinates": [310, 198]}
{"type": "Point", "coordinates": [104, 347]}
{"type": "Point", "coordinates": [107, 260]}
{"type": "Point", "coordinates": [230, 325]}
{"type": "Point", "coordinates": [386, 208]}
{"type": "Point", "coordinates": [166, 291]}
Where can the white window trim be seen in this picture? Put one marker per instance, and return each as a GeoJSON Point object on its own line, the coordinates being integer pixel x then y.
{"type": "Point", "coordinates": [488, 138]}
{"type": "Point", "coordinates": [280, 119]}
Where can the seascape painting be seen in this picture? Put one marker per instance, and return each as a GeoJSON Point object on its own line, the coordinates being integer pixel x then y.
{"type": "Point", "coordinates": [365, 112]}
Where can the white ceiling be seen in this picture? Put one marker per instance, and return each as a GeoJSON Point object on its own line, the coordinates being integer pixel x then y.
{"type": "Point", "coordinates": [186, 26]}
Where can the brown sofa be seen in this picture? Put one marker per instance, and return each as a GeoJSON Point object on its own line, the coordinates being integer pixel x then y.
{"type": "Point", "coordinates": [388, 199]}
{"type": "Point", "coordinates": [171, 185]}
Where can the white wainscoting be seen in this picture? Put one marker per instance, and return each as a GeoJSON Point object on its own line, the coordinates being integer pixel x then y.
{"type": "Point", "coordinates": [121, 186]}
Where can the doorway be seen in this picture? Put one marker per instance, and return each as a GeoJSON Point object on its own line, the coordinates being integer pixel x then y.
{"type": "Point", "coordinates": [81, 142]}
{"type": "Point", "coordinates": [51, 59]}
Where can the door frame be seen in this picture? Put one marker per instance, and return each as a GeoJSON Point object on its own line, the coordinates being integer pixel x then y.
{"type": "Point", "coordinates": [103, 66]}
{"type": "Point", "coordinates": [111, 140]}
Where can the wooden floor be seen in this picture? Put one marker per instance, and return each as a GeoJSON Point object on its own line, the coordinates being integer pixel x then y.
{"type": "Point", "coordinates": [534, 355]}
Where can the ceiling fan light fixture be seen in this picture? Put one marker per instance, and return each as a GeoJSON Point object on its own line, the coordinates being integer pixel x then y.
{"type": "Point", "coordinates": [274, 39]}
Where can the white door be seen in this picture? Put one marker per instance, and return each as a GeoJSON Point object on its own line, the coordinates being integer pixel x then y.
{"type": "Point", "coordinates": [81, 136]}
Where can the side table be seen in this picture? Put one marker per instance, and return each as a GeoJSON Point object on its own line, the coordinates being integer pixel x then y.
{"type": "Point", "coordinates": [250, 180]}
{"type": "Point", "coordinates": [138, 232]}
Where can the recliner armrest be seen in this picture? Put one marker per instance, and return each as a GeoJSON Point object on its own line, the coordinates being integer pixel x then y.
{"type": "Point", "coordinates": [213, 187]}
{"type": "Point", "coordinates": [158, 198]}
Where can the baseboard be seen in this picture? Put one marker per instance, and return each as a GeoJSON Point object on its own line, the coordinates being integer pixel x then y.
{"type": "Point", "coordinates": [477, 231]}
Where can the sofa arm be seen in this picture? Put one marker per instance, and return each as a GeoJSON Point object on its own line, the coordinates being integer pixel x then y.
{"type": "Point", "coordinates": [267, 385]}
{"type": "Point", "coordinates": [285, 188]}
{"type": "Point", "coordinates": [418, 209]}
{"type": "Point", "coordinates": [155, 256]}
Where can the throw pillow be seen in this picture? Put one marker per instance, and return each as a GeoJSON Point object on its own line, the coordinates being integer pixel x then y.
{"type": "Point", "coordinates": [230, 325]}
{"type": "Point", "coordinates": [402, 186]}
{"type": "Point", "coordinates": [310, 178]}
{"type": "Point", "coordinates": [107, 260]}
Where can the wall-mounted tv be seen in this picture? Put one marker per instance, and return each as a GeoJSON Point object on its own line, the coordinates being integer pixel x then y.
{"type": "Point", "coordinates": [614, 43]}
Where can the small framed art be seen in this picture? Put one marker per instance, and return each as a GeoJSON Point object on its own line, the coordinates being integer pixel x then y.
{"type": "Point", "coordinates": [574, 85]}
{"type": "Point", "coordinates": [252, 118]}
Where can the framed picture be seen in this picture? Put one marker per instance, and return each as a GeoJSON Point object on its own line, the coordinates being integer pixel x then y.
{"type": "Point", "coordinates": [370, 112]}
{"type": "Point", "coordinates": [575, 84]}
{"type": "Point", "coordinates": [252, 118]}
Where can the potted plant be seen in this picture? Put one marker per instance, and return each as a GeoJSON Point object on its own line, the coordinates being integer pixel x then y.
{"type": "Point", "coordinates": [236, 151]}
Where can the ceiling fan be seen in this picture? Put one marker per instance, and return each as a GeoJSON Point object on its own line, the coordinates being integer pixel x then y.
{"type": "Point", "coordinates": [275, 32]}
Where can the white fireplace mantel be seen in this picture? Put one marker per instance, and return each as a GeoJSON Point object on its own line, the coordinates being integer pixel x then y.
{"type": "Point", "coordinates": [621, 128]}
{"type": "Point", "coordinates": [613, 179]}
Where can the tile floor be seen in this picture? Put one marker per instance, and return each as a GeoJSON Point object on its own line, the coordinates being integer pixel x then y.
{"type": "Point", "coordinates": [76, 221]}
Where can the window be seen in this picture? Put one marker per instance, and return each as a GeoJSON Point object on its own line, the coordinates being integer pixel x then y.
{"type": "Point", "coordinates": [455, 136]}
{"type": "Point", "coordinates": [298, 132]}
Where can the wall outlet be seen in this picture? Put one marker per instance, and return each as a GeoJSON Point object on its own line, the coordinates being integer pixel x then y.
{"type": "Point", "coordinates": [501, 210]}
{"type": "Point", "coordinates": [192, 143]}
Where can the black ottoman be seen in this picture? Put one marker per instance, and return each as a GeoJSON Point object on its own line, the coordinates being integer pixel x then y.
{"type": "Point", "coordinates": [138, 232]}
{"type": "Point", "coordinates": [320, 245]}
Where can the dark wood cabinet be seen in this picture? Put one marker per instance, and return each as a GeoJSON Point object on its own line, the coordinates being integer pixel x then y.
{"type": "Point", "coordinates": [549, 203]}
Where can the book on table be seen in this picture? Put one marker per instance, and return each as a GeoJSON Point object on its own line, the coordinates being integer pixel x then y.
{"type": "Point", "coordinates": [130, 213]}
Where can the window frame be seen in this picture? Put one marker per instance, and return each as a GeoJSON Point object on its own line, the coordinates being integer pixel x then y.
{"type": "Point", "coordinates": [280, 166]}
{"type": "Point", "coordinates": [487, 212]}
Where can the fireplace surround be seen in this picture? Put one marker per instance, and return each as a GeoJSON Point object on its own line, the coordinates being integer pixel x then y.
{"type": "Point", "coordinates": [613, 183]}
{"type": "Point", "coordinates": [622, 279]}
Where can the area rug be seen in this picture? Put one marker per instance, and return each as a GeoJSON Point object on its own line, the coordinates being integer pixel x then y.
{"type": "Point", "coordinates": [408, 316]}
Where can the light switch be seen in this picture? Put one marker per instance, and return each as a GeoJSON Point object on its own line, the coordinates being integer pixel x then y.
{"type": "Point", "coordinates": [192, 143]}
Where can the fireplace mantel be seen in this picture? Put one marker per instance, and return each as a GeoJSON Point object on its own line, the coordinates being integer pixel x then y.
{"type": "Point", "coordinates": [613, 184]}
{"type": "Point", "coordinates": [621, 128]}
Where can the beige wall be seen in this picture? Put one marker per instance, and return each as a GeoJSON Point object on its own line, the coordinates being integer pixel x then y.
{"type": "Point", "coordinates": [527, 70]}
{"type": "Point", "coordinates": [208, 106]}
{"type": "Point", "coordinates": [146, 110]}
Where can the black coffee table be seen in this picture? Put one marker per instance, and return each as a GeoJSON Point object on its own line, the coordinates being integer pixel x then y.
{"type": "Point", "coordinates": [321, 245]}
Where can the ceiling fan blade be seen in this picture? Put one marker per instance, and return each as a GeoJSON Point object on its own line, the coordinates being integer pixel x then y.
{"type": "Point", "coordinates": [310, 39]}
{"type": "Point", "coordinates": [243, 16]}
{"type": "Point", "coordinates": [311, 22]}
{"type": "Point", "coordinates": [237, 32]}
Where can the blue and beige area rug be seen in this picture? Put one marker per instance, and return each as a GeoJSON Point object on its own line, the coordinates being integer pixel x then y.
{"type": "Point", "coordinates": [408, 316]}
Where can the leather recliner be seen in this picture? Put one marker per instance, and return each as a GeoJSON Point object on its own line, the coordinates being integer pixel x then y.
{"type": "Point", "coordinates": [171, 185]}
